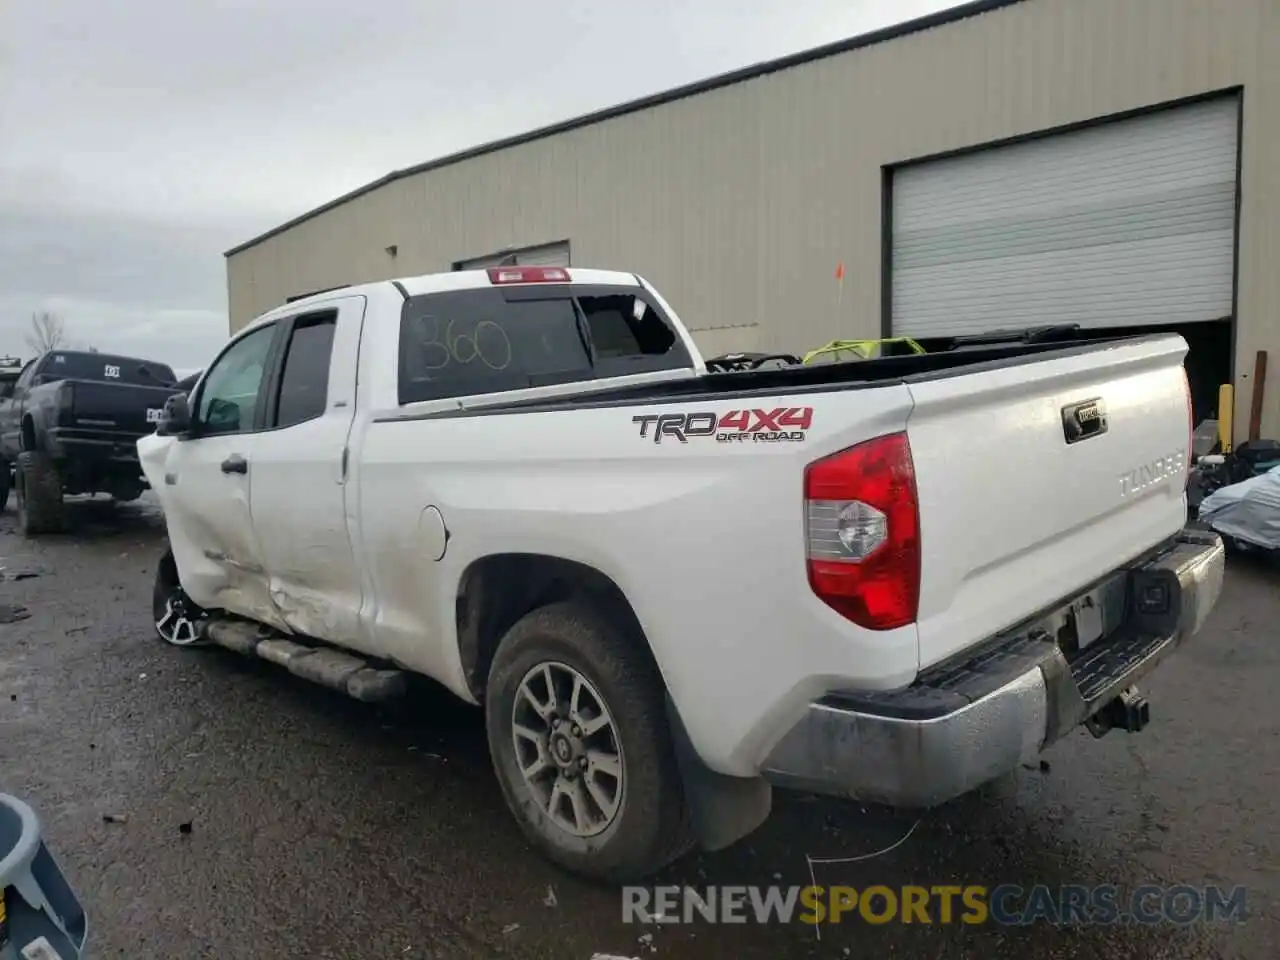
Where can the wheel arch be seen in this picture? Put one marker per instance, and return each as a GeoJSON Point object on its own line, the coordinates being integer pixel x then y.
{"type": "Point", "coordinates": [497, 590]}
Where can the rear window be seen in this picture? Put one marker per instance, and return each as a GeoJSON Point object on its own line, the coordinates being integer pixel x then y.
{"type": "Point", "coordinates": [477, 341]}
{"type": "Point", "coordinates": [64, 365]}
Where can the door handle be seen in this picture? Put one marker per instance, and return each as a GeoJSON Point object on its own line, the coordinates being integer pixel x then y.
{"type": "Point", "coordinates": [235, 464]}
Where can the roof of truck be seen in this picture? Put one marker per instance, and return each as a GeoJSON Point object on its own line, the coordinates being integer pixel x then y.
{"type": "Point", "coordinates": [468, 279]}
{"type": "Point", "coordinates": [456, 280]}
{"type": "Point", "coordinates": [451, 280]}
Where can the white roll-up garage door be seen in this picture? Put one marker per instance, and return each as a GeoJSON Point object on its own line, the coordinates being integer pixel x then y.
{"type": "Point", "coordinates": [546, 255]}
{"type": "Point", "coordinates": [1123, 224]}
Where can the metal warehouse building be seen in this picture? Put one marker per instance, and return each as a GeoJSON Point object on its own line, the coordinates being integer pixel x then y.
{"type": "Point", "coordinates": [1008, 163]}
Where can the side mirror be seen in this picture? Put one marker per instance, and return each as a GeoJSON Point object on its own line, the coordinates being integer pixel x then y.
{"type": "Point", "coordinates": [176, 418]}
{"type": "Point", "coordinates": [222, 416]}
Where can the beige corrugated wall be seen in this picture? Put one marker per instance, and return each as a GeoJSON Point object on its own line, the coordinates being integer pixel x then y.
{"type": "Point", "coordinates": [738, 203]}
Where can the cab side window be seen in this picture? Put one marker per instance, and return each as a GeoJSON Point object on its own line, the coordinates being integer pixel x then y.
{"type": "Point", "coordinates": [304, 378]}
{"type": "Point", "coordinates": [229, 395]}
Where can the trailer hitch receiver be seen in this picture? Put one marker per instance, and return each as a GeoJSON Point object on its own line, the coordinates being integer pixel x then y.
{"type": "Point", "coordinates": [1128, 711]}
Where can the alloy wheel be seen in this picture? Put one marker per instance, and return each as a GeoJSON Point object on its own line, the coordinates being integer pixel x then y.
{"type": "Point", "coordinates": [568, 749]}
{"type": "Point", "coordinates": [180, 622]}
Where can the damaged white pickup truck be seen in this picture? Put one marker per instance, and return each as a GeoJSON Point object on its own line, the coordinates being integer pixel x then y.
{"type": "Point", "coordinates": [671, 590]}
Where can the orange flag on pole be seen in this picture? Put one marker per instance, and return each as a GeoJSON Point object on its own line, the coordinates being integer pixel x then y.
{"type": "Point", "coordinates": [840, 283]}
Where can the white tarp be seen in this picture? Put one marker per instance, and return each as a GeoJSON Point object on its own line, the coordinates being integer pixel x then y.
{"type": "Point", "coordinates": [1248, 511]}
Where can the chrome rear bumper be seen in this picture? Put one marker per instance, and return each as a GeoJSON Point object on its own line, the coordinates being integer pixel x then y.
{"type": "Point", "coordinates": [963, 723]}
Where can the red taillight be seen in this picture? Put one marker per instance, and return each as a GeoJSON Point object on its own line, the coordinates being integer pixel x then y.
{"type": "Point", "coordinates": [864, 533]}
{"type": "Point", "coordinates": [501, 275]}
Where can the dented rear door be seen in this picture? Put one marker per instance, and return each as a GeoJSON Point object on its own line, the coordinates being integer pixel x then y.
{"type": "Point", "coordinates": [301, 470]}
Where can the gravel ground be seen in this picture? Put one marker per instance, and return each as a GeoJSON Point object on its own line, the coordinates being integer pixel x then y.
{"type": "Point", "coordinates": [318, 827]}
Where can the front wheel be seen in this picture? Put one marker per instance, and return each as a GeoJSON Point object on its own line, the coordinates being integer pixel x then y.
{"type": "Point", "coordinates": [581, 744]}
{"type": "Point", "coordinates": [179, 621]}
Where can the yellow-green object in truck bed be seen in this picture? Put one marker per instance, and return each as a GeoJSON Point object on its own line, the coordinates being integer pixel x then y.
{"type": "Point", "coordinates": [862, 349]}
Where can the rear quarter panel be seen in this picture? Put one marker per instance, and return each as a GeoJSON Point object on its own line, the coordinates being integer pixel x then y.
{"type": "Point", "coordinates": [705, 538]}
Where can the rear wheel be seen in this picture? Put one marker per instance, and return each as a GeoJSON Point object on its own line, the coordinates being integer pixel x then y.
{"type": "Point", "coordinates": [39, 485]}
{"type": "Point", "coordinates": [179, 621]}
{"type": "Point", "coordinates": [6, 480]}
{"type": "Point", "coordinates": [581, 744]}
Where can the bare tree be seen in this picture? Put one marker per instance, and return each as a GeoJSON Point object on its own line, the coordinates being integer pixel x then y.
{"type": "Point", "coordinates": [48, 332]}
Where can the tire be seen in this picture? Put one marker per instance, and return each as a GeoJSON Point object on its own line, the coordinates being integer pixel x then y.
{"type": "Point", "coordinates": [649, 826]}
{"type": "Point", "coordinates": [178, 621]}
{"type": "Point", "coordinates": [6, 481]}
{"type": "Point", "coordinates": [40, 506]}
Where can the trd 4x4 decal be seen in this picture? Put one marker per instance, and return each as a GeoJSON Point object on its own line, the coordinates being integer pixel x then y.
{"type": "Point", "coordinates": [780, 425]}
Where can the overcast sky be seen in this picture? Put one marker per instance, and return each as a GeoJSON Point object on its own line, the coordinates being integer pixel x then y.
{"type": "Point", "coordinates": [139, 139]}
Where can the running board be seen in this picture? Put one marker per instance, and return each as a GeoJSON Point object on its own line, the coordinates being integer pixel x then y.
{"type": "Point", "coordinates": [323, 665]}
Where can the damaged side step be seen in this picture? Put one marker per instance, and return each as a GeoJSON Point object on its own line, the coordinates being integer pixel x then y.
{"type": "Point", "coordinates": [331, 668]}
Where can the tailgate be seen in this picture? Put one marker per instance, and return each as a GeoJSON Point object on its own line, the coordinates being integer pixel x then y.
{"type": "Point", "coordinates": [121, 407]}
{"type": "Point", "coordinates": [1013, 516]}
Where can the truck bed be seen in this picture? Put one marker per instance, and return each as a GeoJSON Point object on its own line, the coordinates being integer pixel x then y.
{"type": "Point", "coordinates": [793, 380]}
{"type": "Point", "coordinates": [1012, 515]}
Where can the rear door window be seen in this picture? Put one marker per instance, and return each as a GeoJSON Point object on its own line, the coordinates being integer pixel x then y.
{"type": "Point", "coordinates": [304, 382]}
{"type": "Point", "coordinates": [477, 341]}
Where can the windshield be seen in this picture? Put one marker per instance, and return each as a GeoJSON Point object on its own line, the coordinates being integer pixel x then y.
{"type": "Point", "coordinates": [109, 368]}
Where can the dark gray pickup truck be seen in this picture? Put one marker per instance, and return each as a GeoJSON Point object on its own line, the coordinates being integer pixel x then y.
{"type": "Point", "coordinates": [70, 425]}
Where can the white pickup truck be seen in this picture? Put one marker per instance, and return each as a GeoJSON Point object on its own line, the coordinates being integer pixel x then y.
{"type": "Point", "coordinates": [670, 589]}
